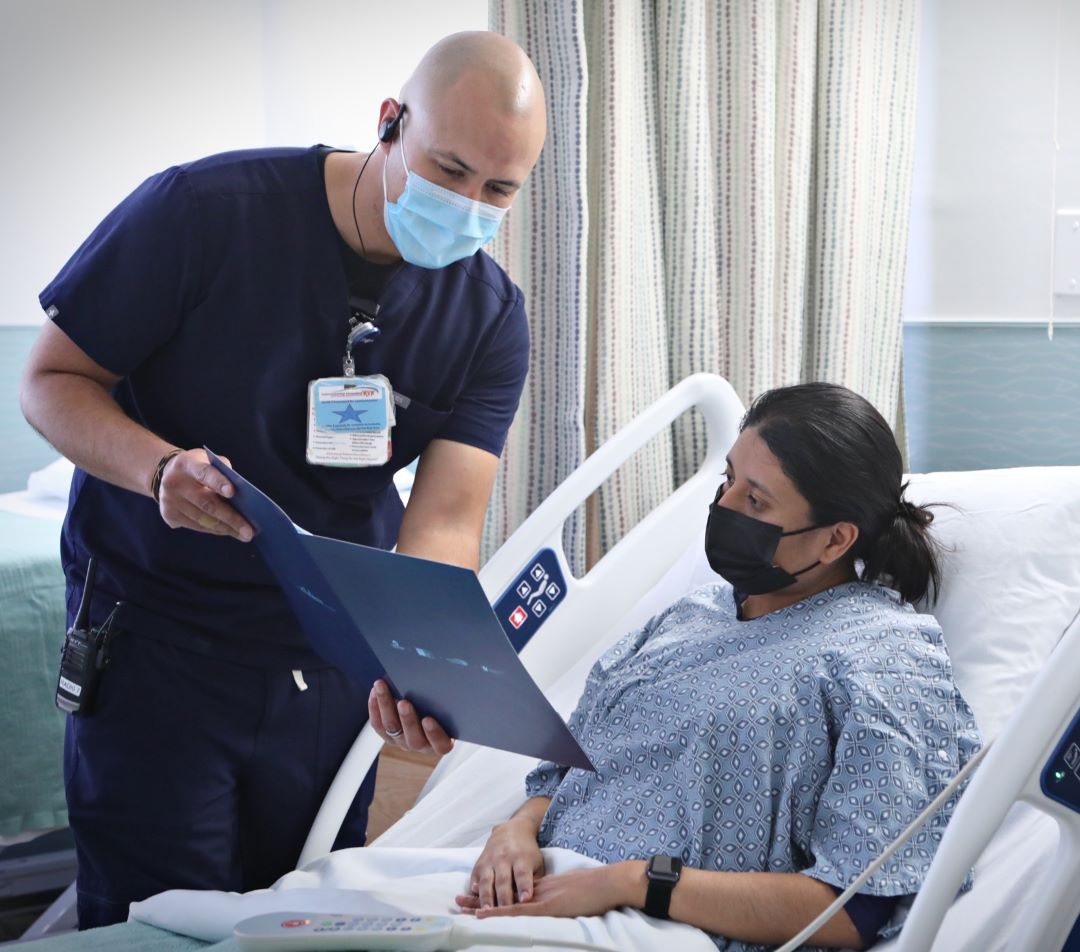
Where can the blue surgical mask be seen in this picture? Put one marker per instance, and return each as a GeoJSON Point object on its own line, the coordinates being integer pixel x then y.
{"type": "Point", "coordinates": [432, 226]}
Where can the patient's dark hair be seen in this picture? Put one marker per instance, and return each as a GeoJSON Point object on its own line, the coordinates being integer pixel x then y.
{"type": "Point", "coordinates": [843, 458]}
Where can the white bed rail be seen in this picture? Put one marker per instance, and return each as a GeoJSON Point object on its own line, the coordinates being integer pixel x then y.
{"type": "Point", "coordinates": [1011, 772]}
{"type": "Point", "coordinates": [607, 591]}
{"type": "Point", "coordinates": [644, 554]}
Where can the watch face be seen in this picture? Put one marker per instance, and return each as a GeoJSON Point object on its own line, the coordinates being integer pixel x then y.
{"type": "Point", "coordinates": [664, 869]}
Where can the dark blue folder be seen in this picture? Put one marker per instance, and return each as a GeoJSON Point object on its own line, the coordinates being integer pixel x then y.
{"type": "Point", "coordinates": [426, 627]}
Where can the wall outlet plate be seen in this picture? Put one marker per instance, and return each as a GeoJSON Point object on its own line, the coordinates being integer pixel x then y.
{"type": "Point", "coordinates": [1067, 251]}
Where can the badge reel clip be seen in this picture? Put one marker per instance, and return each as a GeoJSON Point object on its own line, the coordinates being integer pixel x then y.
{"type": "Point", "coordinates": [84, 655]}
{"type": "Point", "coordinates": [362, 330]}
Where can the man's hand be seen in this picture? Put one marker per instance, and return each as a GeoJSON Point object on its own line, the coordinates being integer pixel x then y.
{"type": "Point", "coordinates": [192, 496]}
{"type": "Point", "coordinates": [508, 869]}
{"type": "Point", "coordinates": [398, 724]}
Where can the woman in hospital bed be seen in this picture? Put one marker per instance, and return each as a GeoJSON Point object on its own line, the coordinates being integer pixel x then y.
{"type": "Point", "coordinates": [775, 731]}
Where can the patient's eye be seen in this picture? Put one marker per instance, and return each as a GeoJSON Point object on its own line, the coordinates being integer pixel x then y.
{"type": "Point", "coordinates": [456, 173]}
{"type": "Point", "coordinates": [754, 501]}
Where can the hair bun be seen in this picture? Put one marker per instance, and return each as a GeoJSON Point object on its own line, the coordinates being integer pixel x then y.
{"type": "Point", "coordinates": [910, 512]}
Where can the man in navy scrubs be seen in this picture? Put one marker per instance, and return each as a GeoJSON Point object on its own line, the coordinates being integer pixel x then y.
{"type": "Point", "coordinates": [199, 313]}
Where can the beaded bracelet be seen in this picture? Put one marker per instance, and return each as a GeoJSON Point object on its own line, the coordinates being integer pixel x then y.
{"type": "Point", "coordinates": [159, 471]}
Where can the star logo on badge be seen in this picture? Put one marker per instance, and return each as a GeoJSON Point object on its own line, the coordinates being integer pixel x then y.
{"type": "Point", "coordinates": [349, 414]}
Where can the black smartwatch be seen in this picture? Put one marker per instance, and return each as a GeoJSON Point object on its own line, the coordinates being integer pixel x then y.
{"type": "Point", "coordinates": [663, 873]}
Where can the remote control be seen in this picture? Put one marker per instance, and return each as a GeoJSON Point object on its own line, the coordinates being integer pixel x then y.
{"type": "Point", "coordinates": [283, 931]}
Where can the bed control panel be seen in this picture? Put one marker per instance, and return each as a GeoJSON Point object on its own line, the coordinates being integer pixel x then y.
{"type": "Point", "coordinates": [1060, 779]}
{"type": "Point", "coordinates": [532, 597]}
{"type": "Point", "coordinates": [291, 931]}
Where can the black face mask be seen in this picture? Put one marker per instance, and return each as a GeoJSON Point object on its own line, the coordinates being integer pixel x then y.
{"type": "Point", "coordinates": [740, 549]}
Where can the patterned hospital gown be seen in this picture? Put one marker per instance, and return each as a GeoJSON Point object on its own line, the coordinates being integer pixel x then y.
{"type": "Point", "coordinates": [805, 740]}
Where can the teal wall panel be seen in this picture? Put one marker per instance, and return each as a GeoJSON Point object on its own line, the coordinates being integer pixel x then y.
{"type": "Point", "coordinates": [984, 396]}
{"type": "Point", "coordinates": [21, 449]}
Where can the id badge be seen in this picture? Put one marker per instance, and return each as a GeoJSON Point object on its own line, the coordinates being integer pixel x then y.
{"type": "Point", "coordinates": [349, 421]}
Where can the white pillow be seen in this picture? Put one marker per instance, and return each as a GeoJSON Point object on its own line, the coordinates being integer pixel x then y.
{"type": "Point", "coordinates": [1012, 580]}
{"type": "Point", "coordinates": [52, 482]}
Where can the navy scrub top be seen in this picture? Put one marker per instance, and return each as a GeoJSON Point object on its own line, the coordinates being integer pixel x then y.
{"type": "Point", "coordinates": [216, 290]}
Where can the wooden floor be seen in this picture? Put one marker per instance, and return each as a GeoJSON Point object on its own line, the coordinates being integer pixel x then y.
{"type": "Point", "coordinates": [399, 779]}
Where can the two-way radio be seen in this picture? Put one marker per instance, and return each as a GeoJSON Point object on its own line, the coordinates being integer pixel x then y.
{"type": "Point", "coordinates": [84, 655]}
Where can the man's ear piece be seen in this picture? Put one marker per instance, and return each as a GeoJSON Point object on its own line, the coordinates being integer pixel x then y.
{"type": "Point", "coordinates": [388, 130]}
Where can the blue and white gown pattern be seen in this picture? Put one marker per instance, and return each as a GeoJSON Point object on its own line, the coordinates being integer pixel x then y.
{"type": "Point", "coordinates": [802, 741]}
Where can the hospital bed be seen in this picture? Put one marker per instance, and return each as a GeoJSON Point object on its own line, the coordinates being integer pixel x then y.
{"type": "Point", "coordinates": [31, 631]}
{"type": "Point", "coordinates": [31, 728]}
{"type": "Point", "coordinates": [1008, 609]}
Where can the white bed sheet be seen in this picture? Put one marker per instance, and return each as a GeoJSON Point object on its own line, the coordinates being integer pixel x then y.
{"type": "Point", "coordinates": [422, 881]}
{"type": "Point", "coordinates": [412, 882]}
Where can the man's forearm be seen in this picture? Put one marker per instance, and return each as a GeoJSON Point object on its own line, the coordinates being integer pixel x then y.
{"type": "Point", "coordinates": [79, 417]}
{"type": "Point", "coordinates": [445, 515]}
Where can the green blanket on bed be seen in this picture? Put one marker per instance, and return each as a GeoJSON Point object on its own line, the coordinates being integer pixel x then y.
{"type": "Point", "coordinates": [127, 935]}
{"type": "Point", "coordinates": [32, 620]}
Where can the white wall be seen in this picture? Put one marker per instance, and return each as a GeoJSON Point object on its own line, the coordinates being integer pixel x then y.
{"type": "Point", "coordinates": [985, 384]}
{"type": "Point", "coordinates": [98, 94]}
{"type": "Point", "coordinates": [996, 77]}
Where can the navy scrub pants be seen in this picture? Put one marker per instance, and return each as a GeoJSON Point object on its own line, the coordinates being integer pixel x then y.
{"type": "Point", "coordinates": [196, 772]}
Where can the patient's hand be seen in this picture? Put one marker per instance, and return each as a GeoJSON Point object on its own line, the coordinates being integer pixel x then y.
{"type": "Point", "coordinates": [507, 868]}
{"type": "Point", "coordinates": [580, 892]}
{"type": "Point", "coordinates": [397, 723]}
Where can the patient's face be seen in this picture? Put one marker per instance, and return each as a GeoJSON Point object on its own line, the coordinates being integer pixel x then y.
{"type": "Point", "coordinates": [756, 486]}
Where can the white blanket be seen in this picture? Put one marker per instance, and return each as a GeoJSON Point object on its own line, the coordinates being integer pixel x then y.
{"type": "Point", "coordinates": [393, 881]}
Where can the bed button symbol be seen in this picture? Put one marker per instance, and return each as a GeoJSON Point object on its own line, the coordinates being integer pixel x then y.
{"type": "Point", "coordinates": [523, 590]}
{"type": "Point", "coordinates": [539, 608]}
{"type": "Point", "coordinates": [553, 591]}
{"type": "Point", "coordinates": [1072, 758]}
{"type": "Point", "coordinates": [295, 923]}
{"type": "Point", "coordinates": [518, 617]}
{"type": "Point", "coordinates": [537, 572]}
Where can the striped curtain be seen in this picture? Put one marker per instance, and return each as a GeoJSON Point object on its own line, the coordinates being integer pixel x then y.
{"type": "Point", "coordinates": [724, 188]}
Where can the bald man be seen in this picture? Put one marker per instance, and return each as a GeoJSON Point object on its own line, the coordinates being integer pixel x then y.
{"type": "Point", "coordinates": [233, 302]}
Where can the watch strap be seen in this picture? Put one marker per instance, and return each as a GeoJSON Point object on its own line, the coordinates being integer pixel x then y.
{"type": "Point", "coordinates": [661, 882]}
